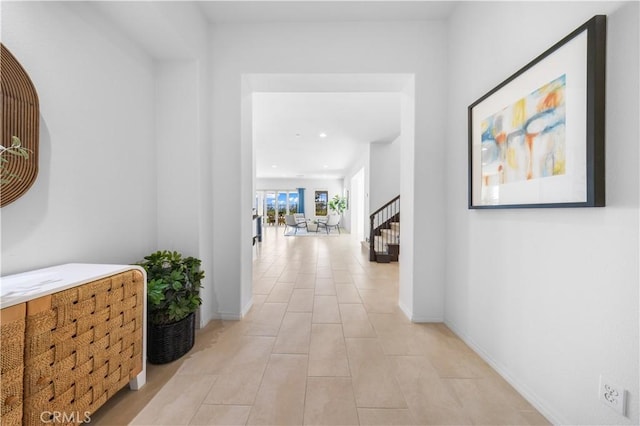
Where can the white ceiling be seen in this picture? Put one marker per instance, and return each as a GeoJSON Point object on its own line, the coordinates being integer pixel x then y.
{"type": "Point", "coordinates": [324, 11]}
{"type": "Point", "coordinates": [287, 128]}
{"type": "Point", "coordinates": [349, 119]}
{"type": "Point", "coordinates": [146, 25]}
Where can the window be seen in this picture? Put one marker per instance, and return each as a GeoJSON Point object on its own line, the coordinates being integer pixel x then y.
{"type": "Point", "coordinates": [322, 197]}
{"type": "Point", "coordinates": [270, 206]}
{"type": "Point", "coordinates": [282, 203]}
{"type": "Point", "coordinates": [277, 204]}
{"type": "Point", "coordinates": [293, 202]}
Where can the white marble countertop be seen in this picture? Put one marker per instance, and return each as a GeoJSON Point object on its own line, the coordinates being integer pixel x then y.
{"type": "Point", "coordinates": [26, 286]}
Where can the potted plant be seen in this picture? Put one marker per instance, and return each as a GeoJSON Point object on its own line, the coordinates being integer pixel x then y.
{"type": "Point", "coordinates": [338, 204]}
{"type": "Point", "coordinates": [173, 296]}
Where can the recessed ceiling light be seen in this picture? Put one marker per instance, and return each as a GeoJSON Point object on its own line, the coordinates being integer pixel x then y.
{"type": "Point", "coordinates": [325, 166]}
{"type": "Point", "coordinates": [274, 166]}
{"type": "Point", "coordinates": [323, 135]}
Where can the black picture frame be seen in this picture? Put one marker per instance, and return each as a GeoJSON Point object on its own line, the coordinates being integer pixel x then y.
{"type": "Point", "coordinates": [538, 138]}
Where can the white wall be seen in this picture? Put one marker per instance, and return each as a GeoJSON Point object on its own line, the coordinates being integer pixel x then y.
{"type": "Point", "coordinates": [384, 173]}
{"type": "Point", "coordinates": [177, 143]}
{"type": "Point", "coordinates": [360, 163]}
{"type": "Point", "coordinates": [95, 195]}
{"type": "Point", "coordinates": [334, 186]}
{"type": "Point", "coordinates": [139, 128]}
{"type": "Point", "coordinates": [548, 296]}
{"type": "Point", "coordinates": [398, 47]}
{"type": "Point", "coordinates": [184, 200]}
{"type": "Point", "coordinates": [431, 307]}
{"type": "Point", "coordinates": [183, 141]}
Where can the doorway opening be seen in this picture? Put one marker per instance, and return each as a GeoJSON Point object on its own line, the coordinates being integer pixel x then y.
{"type": "Point", "coordinates": [398, 84]}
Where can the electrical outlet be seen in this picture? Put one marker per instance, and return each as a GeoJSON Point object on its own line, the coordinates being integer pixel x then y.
{"type": "Point", "coordinates": [612, 395]}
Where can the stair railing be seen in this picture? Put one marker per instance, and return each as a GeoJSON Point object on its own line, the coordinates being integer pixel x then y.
{"type": "Point", "coordinates": [381, 219]}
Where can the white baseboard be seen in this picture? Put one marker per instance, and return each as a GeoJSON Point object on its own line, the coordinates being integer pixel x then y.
{"type": "Point", "coordinates": [528, 394]}
{"type": "Point", "coordinates": [416, 319]}
{"type": "Point", "coordinates": [405, 310]}
{"type": "Point", "coordinates": [426, 319]}
{"type": "Point", "coordinates": [235, 316]}
{"type": "Point", "coordinates": [229, 316]}
{"type": "Point", "coordinates": [246, 308]}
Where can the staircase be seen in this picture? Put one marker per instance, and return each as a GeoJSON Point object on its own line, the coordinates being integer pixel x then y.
{"type": "Point", "coordinates": [384, 234]}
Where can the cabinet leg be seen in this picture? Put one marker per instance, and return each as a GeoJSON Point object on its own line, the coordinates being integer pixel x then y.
{"type": "Point", "coordinates": [137, 382]}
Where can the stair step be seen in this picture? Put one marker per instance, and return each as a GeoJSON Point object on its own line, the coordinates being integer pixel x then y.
{"type": "Point", "coordinates": [395, 226]}
{"type": "Point", "coordinates": [380, 245]}
{"type": "Point", "coordinates": [383, 258]}
{"type": "Point", "coordinates": [394, 251]}
{"type": "Point", "coordinates": [390, 235]}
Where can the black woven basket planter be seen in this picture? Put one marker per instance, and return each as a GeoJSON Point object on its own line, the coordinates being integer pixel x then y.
{"type": "Point", "coordinates": [166, 343]}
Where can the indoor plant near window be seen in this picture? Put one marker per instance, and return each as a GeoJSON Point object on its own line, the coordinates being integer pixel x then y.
{"type": "Point", "coordinates": [173, 296]}
{"type": "Point", "coordinates": [338, 204]}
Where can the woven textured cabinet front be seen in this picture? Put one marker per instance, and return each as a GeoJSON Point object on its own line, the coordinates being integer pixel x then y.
{"type": "Point", "coordinates": [82, 345]}
{"type": "Point", "coordinates": [11, 363]}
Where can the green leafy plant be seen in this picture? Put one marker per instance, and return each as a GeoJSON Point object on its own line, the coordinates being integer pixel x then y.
{"type": "Point", "coordinates": [338, 204]}
{"type": "Point", "coordinates": [173, 286]}
{"type": "Point", "coordinates": [17, 150]}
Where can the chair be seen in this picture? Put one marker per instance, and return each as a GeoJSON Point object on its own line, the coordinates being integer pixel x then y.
{"type": "Point", "coordinates": [332, 221]}
{"type": "Point", "coordinates": [290, 222]}
{"type": "Point", "coordinates": [299, 217]}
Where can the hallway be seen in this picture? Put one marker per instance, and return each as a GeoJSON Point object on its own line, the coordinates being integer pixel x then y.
{"type": "Point", "coordinates": [324, 344]}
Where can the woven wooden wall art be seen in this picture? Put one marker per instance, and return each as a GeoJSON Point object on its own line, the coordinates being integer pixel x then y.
{"type": "Point", "coordinates": [20, 117]}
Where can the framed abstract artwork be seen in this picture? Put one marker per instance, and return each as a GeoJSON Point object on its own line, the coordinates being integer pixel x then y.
{"type": "Point", "coordinates": [537, 139]}
{"type": "Point", "coordinates": [321, 201]}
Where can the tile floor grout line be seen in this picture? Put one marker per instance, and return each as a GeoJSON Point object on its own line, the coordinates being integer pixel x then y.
{"type": "Point", "coordinates": [204, 396]}
{"type": "Point", "coordinates": [311, 262]}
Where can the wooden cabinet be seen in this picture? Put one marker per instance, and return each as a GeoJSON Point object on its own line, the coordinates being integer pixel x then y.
{"type": "Point", "coordinates": [12, 326]}
{"type": "Point", "coordinates": [74, 348]}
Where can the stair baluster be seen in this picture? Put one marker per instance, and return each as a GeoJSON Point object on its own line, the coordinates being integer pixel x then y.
{"type": "Point", "coordinates": [383, 232]}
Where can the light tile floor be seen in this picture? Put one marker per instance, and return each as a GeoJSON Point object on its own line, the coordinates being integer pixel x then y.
{"type": "Point", "coordinates": [324, 344]}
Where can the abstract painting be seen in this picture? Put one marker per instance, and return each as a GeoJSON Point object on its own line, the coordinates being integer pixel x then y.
{"type": "Point", "coordinates": [537, 139]}
{"type": "Point", "coordinates": [526, 140]}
